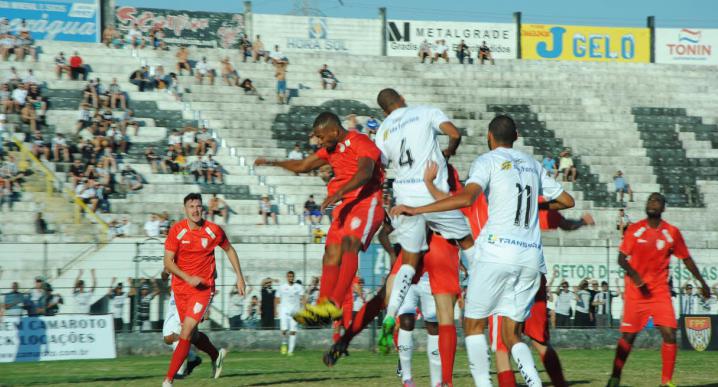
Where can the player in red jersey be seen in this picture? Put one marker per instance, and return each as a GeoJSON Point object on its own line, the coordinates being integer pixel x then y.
{"type": "Point", "coordinates": [645, 255]}
{"type": "Point", "coordinates": [358, 177]}
{"type": "Point", "coordinates": [189, 257]}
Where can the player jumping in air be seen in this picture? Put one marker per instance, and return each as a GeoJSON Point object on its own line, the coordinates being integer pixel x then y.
{"type": "Point", "coordinates": [189, 257]}
{"type": "Point", "coordinates": [645, 255]}
{"type": "Point", "coordinates": [358, 177]}
{"type": "Point", "coordinates": [505, 274]}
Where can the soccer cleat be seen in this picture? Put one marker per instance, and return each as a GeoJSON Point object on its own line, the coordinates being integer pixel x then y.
{"type": "Point", "coordinates": [398, 368]}
{"type": "Point", "coordinates": [409, 383]}
{"type": "Point", "coordinates": [304, 317]}
{"type": "Point", "coordinates": [283, 349]}
{"type": "Point", "coordinates": [387, 330]}
{"type": "Point", "coordinates": [335, 352]}
{"type": "Point", "coordinates": [290, 354]}
{"type": "Point", "coordinates": [325, 310]}
{"type": "Point", "coordinates": [192, 365]}
{"type": "Point", "coordinates": [217, 364]}
{"type": "Point", "coordinates": [614, 382]}
{"type": "Point", "coordinates": [166, 383]}
{"type": "Point", "coordinates": [668, 384]}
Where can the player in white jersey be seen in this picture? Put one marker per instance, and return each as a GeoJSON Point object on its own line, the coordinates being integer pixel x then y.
{"type": "Point", "coordinates": [408, 141]}
{"type": "Point", "coordinates": [289, 296]}
{"type": "Point", "coordinates": [507, 268]}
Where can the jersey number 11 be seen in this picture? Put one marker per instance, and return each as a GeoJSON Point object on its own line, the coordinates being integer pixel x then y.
{"type": "Point", "coordinates": [519, 202]}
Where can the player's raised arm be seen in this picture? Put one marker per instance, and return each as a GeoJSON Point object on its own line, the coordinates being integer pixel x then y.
{"type": "Point", "coordinates": [383, 237]}
{"type": "Point", "coordinates": [234, 260]}
{"type": "Point", "coordinates": [307, 164]}
{"type": "Point", "coordinates": [364, 173]}
{"type": "Point", "coordinates": [450, 130]}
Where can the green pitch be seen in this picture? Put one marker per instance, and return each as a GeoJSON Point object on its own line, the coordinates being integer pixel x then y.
{"type": "Point", "coordinates": [582, 368]}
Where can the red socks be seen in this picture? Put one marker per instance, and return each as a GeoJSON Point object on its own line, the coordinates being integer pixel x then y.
{"type": "Point", "coordinates": [178, 356]}
{"type": "Point", "coordinates": [447, 352]}
{"type": "Point", "coordinates": [552, 364]}
{"type": "Point", "coordinates": [506, 379]}
{"type": "Point", "coordinates": [201, 341]}
{"type": "Point", "coordinates": [330, 274]}
{"type": "Point", "coordinates": [668, 354]}
{"type": "Point", "coordinates": [623, 349]}
{"type": "Point", "coordinates": [365, 315]}
{"type": "Point", "coordinates": [347, 272]}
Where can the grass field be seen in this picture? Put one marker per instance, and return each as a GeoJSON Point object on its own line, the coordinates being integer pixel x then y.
{"type": "Point", "coordinates": [582, 368]}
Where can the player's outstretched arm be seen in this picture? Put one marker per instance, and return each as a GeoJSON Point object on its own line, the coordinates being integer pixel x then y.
{"type": "Point", "coordinates": [234, 260]}
{"type": "Point", "coordinates": [633, 274]}
{"type": "Point", "coordinates": [562, 202]}
{"type": "Point", "coordinates": [307, 164]}
{"type": "Point", "coordinates": [365, 170]}
{"type": "Point", "coordinates": [691, 266]}
{"type": "Point", "coordinates": [454, 138]}
{"type": "Point", "coordinates": [463, 199]}
{"type": "Point", "coordinates": [383, 237]}
{"type": "Point", "coordinates": [432, 169]}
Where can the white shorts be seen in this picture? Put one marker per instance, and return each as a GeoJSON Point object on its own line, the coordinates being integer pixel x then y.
{"type": "Point", "coordinates": [411, 230]}
{"type": "Point", "coordinates": [287, 322]}
{"type": "Point", "coordinates": [501, 289]}
{"type": "Point", "coordinates": [419, 295]}
{"type": "Point", "coordinates": [172, 324]}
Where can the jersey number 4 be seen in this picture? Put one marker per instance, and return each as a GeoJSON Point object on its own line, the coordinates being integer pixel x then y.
{"type": "Point", "coordinates": [519, 202]}
{"type": "Point", "coordinates": [405, 152]}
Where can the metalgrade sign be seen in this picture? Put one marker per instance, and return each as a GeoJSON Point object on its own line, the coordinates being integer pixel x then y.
{"type": "Point", "coordinates": [585, 43]}
{"type": "Point", "coordinates": [66, 20]}
{"type": "Point", "coordinates": [201, 29]}
{"type": "Point", "coordinates": [405, 36]}
{"type": "Point", "coordinates": [687, 45]}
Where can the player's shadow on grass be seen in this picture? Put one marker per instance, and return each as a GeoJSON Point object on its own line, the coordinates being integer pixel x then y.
{"type": "Point", "coordinates": [309, 380]}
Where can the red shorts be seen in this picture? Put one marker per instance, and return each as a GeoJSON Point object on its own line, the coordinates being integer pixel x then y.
{"type": "Point", "coordinates": [637, 312]}
{"type": "Point", "coordinates": [193, 304]}
{"type": "Point", "coordinates": [358, 218]}
{"type": "Point", "coordinates": [535, 326]}
{"type": "Point", "coordinates": [441, 261]}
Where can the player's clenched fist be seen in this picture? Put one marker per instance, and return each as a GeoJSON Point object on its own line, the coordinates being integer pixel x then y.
{"type": "Point", "coordinates": [194, 281]}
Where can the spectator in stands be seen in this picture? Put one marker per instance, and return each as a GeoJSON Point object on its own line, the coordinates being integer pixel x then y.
{"type": "Point", "coordinates": [128, 119]}
{"type": "Point", "coordinates": [54, 300]}
{"type": "Point", "coordinates": [118, 298]}
{"type": "Point", "coordinates": [622, 221]}
{"type": "Point", "coordinates": [202, 70]}
{"type": "Point", "coordinates": [140, 78]}
{"type": "Point", "coordinates": [249, 88]}
{"type": "Point", "coordinates": [252, 318]}
{"type": "Point", "coordinates": [236, 309]}
{"type": "Point", "coordinates": [40, 147]}
{"type": "Point", "coordinates": [485, 53]}
{"type": "Point", "coordinates": [440, 51]}
{"type": "Point", "coordinates": [258, 50]}
{"type": "Point", "coordinates": [425, 51]}
{"type": "Point", "coordinates": [312, 213]}
{"type": "Point", "coordinates": [622, 187]}
{"type": "Point", "coordinates": [134, 37]}
{"type": "Point", "coordinates": [6, 100]}
{"type": "Point", "coordinates": [217, 206]}
{"type": "Point", "coordinates": [245, 47]}
{"type": "Point", "coordinates": [296, 153]}
{"type": "Point", "coordinates": [165, 223]}
{"type": "Point", "coordinates": [30, 79]}
{"type": "Point", "coordinates": [36, 301]}
{"type": "Point", "coordinates": [549, 164]}
{"type": "Point", "coordinates": [175, 88]}
{"type": "Point", "coordinates": [205, 142]}
{"type": "Point", "coordinates": [109, 34]}
{"type": "Point", "coordinates": [566, 167]}
{"type": "Point", "coordinates": [582, 316]}
{"type": "Point", "coordinates": [60, 148]}
{"type": "Point", "coordinates": [14, 301]}
{"type": "Point", "coordinates": [29, 116]}
{"type": "Point", "coordinates": [213, 171]}
{"type": "Point", "coordinates": [107, 157]}
{"type": "Point", "coordinates": [14, 79]}
{"type": "Point", "coordinates": [25, 45]}
{"type": "Point", "coordinates": [121, 228]}
{"type": "Point", "coordinates": [157, 38]}
{"type": "Point", "coordinates": [170, 164]}
{"type": "Point", "coordinates": [158, 79]}
{"type": "Point", "coordinates": [268, 304]}
{"type": "Point", "coordinates": [183, 60]}
{"type": "Point", "coordinates": [603, 304]}
{"type": "Point", "coordinates": [153, 159]}
{"type": "Point", "coordinates": [328, 78]}
{"type": "Point", "coordinates": [152, 226]}
{"type": "Point", "coordinates": [229, 73]}
{"type": "Point", "coordinates": [7, 40]}
{"type": "Point", "coordinates": [462, 51]}
{"type": "Point", "coordinates": [89, 94]}
{"type": "Point", "coordinates": [116, 94]}
{"type": "Point", "coordinates": [188, 139]}
{"type": "Point", "coordinates": [266, 210]}
{"type": "Point", "coordinates": [131, 180]}
{"type": "Point", "coordinates": [77, 171]}
{"type": "Point", "coordinates": [562, 305]}
{"type": "Point", "coordinates": [312, 292]}
{"type": "Point", "coordinates": [689, 300]}
{"type": "Point", "coordinates": [19, 96]}
{"type": "Point", "coordinates": [83, 297]}
{"type": "Point", "coordinates": [87, 192]}
{"type": "Point", "coordinates": [143, 307]}
{"type": "Point", "coordinates": [280, 74]}
{"type": "Point", "coordinates": [41, 225]}
{"type": "Point", "coordinates": [77, 67]}
{"type": "Point", "coordinates": [277, 56]}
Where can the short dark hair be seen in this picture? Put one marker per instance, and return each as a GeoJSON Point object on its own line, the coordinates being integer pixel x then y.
{"type": "Point", "coordinates": [326, 118]}
{"type": "Point", "coordinates": [659, 196]}
{"type": "Point", "coordinates": [290, 272]}
{"type": "Point", "coordinates": [503, 128]}
{"type": "Point", "coordinates": [387, 97]}
{"type": "Point", "coordinates": [604, 283]}
{"type": "Point", "coordinates": [193, 196]}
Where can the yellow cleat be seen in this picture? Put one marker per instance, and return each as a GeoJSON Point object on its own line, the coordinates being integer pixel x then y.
{"type": "Point", "coordinates": [325, 310]}
{"type": "Point", "coordinates": [304, 316]}
{"type": "Point", "coordinates": [283, 349]}
{"type": "Point", "coordinates": [668, 384]}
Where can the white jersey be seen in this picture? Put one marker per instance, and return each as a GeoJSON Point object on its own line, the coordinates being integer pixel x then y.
{"type": "Point", "coordinates": [512, 182]}
{"type": "Point", "coordinates": [408, 140]}
{"type": "Point", "coordinates": [290, 297]}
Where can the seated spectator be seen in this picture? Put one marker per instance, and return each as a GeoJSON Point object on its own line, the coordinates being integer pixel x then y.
{"type": "Point", "coordinates": [165, 223]}
{"type": "Point", "coordinates": [77, 67]}
{"type": "Point", "coordinates": [89, 94]}
{"type": "Point", "coordinates": [169, 162]}
{"type": "Point", "coordinates": [462, 51]}
{"type": "Point", "coordinates": [140, 78]}
{"type": "Point", "coordinates": [318, 234]}
{"type": "Point", "coordinates": [188, 139]}
{"type": "Point", "coordinates": [229, 73]}
{"type": "Point", "coordinates": [134, 37]}
{"type": "Point", "coordinates": [266, 210]}
{"type": "Point", "coordinates": [34, 97]}
{"type": "Point", "coordinates": [249, 88]}
{"type": "Point", "coordinates": [175, 87]}
{"type": "Point", "coordinates": [6, 99]}
{"type": "Point", "coordinates": [7, 39]}
{"type": "Point", "coordinates": [205, 142]}
{"type": "Point", "coordinates": [107, 157]}
{"type": "Point", "coordinates": [425, 51]}
{"type": "Point", "coordinates": [40, 147]}
{"type": "Point", "coordinates": [61, 65]}
{"type": "Point", "coordinates": [60, 148]}
{"type": "Point", "coordinates": [258, 50]}
{"type": "Point", "coordinates": [131, 180]}
{"type": "Point", "coordinates": [25, 45]}
{"type": "Point", "coordinates": [120, 228]}
{"type": "Point", "coordinates": [41, 225]}
{"type": "Point", "coordinates": [108, 36]}
{"type": "Point", "coordinates": [87, 192]}
{"type": "Point", "coordinates": [549, 164]}
{"type": "Point", "coordinates": [152, 159]}
{"type": "Point", "coordinates": [30, 78]}
{"type": "Point", "coordinates": [622, 187]}
{"type": "Point", "coordinates": [84, 117]}
{"type": "Point", "coordinates": [440, 51]}
{"type": "Point", "coordinates": [566, 167]}
{"type": "Point", "coordinates": [174, 138]}
{"type": "Point", "coordinates": [19, 96]}
{"type": "Point", "coordinates": [217, 206]}
{"type": "Point", "coordinates": [622, 221]}
{"type": "Point", "coordinates": [29, 116]}
{"type": "Point", "coordinates": [195, 166]}
{"type": "Point", "coordinates": [128, 119]}
{"type": "Point", "coordinates": [76, 172]}
{"type": "Point", "coordinates": [157, 38]}
{"type": "Point", "coordinates": [116, 94]}
{"type": "Point", "coordinates": [203, 70]}
{"type": "Point", "coordinates": [485, 53]}
{"type": "Point", "coordinates": [13, 79]}
{"type": "Point", "coordinates": [158, 79]}
{"type": "Point", "coordinates": [312, 213]}
{"type": "Point", "coordinates": [152, 226]}
{"type": "Point", "coordinates": [213, 171]}
{"type": "Point", "coordinates": [183, 60]}
{"type": "Point", "coordinates": [296, 153]}
{"type": "Point", "coordinates": [328, 78]}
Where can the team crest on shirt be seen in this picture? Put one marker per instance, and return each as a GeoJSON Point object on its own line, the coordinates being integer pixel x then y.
{"type": "Point", "coordinates": [660, 244]}
{"type": "Point", "coordinates": [205, 241]}
{"type": "Point", "coordinates": [506, 165]}
{"type": "Point", "coordinates": [698, 331]}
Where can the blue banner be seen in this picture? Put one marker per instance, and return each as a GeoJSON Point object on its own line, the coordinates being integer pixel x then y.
{"type": "Point", "coordinates": [66, 20]}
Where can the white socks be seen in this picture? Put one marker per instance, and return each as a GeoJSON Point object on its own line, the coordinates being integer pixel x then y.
{"type": "Point", "coordinates": [522, 355]}
{"type": "Point", "coordinates": [402, 282]}
{"type": "Point", "coordinates": [406, 349]}
{"type": "Point", "coordinates": [478, 351]}
{"type": "Point", "coordinates": [432, 351]}
{"type": "Point", "coordinates": [292, 343]}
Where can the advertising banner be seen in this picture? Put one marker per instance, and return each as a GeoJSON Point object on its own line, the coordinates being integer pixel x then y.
{"type": "Point", "coordinates": [67, 337]}
{"type": "Point", "coordinates": [585, 43]}
{"type": "Point", "coordinates": [697, 332]}
{"type": "Point", "coordinates": [192, 28]}
{"type": "Point", "coordinates": [318, 34]}
{"type": "Point", "coordinates": [66, 20]}
{"type": "Point", "coordinates": [687, 46]}
{"type": "Point", "coordinates": [405, 37]}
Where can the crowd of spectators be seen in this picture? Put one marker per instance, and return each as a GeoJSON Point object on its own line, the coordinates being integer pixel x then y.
{"type": "Point", "coordinates": [134, 37]}
{"type": "Point", "coordinates": [439, 50]}
{"type": "Point", "coordinates": [17, 42]}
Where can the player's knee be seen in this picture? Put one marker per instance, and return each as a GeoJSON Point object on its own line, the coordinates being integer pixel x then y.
{"type": "Point", "coordinates": [432, 328]}
{"type": "Point", "coordinates": [474, 326]}
{"type": "Point", "coordinates": [406, 322]}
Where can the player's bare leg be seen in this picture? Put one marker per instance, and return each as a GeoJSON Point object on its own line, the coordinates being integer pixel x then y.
{"type": "Point", "coordinates": [551, 362]}
{"type": "Point", "coordinates": [447, 334]}
{"type": "Point", "coordinates": [669, 350]}
{"type": "Point", "coordinates": [623, 349]}
{"type": "Point", "coordinates": [511, 334]}
{"type": "Point", "coordinates": [477, 350]}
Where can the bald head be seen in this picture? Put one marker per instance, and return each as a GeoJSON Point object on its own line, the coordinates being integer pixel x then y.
{"type": "Point", "coordinates": [390, 99]}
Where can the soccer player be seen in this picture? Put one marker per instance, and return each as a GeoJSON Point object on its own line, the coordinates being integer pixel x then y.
{"type": "Point", "coordinates": [408, 141]}
{"type": "Point", "coordinates": [171, 329]}
{"type": "Point", "coordinates": [358, 177]}
{"type": "Point", "coordinates": [645, 255]}
{"type": "Point", "coordinates": [189, 257]}
{"type": "Point", "coordinates": [506, 272]}
{"type": "Point", "coordinates": [289, 296]}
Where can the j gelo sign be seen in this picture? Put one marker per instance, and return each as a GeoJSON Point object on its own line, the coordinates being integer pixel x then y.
{"type": "Point", "coordinates": [405, 36]}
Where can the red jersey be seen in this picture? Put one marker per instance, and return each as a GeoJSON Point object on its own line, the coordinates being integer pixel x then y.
{"type": "Point", "coordinates": [649, 251]}
{"type": "Point", "coordinates": [345, 163]}
{"type": "Point", "coordinates": [75, 61]}
{"type": "Point", "coordinates": [548, 219]}
{"type": "Point", "coordinates": [194, 251]}
{"type": "Point", "coordinates": [478, 213]}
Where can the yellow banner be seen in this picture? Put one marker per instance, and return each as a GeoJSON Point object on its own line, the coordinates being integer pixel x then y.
{"type": "Point", "coordinates": [584, 43]}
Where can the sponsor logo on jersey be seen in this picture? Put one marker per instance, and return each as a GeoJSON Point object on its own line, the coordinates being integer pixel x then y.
{"type": "Point", "coordinates": [698, 331]}
{"type": "Point", "coordinates": [185, 242]}
{"type": "Point", "coordinates": [506, 165]}
{"type": "Point", "coordinates": [386, 135]}
{"type": "Point", "coordinates": [642, 241]}
{"type": "Point", "coordinates": [492, 239]}
{"type": "Point", "coordinates": [205, 241]}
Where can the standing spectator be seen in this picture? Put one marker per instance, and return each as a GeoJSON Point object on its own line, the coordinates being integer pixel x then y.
{"type": "Point", "coordinates": [77, 67]}
{"type": "Point", "coordinates": [462, 51]}
{"type": "Point", "coordinates": [266, 210]}
{"type": "Point", "coordinates": [622, 187]}
{"type": "Point", "coordinates": [245, 47]}
{"type": "Point", "coordinates": [312, 293]}
{"type": "Point", "coordinates": [36, 299]}
{"type": "Point", "coordinates": [562, 305]}
{"type": "Point", "coordinates": [118, 298]}
{"type": "Point", "coordinates": [54, 300]}
{"type": "Point", "coordinates": [258, 50]}
{"type": "Point", "coordinates": [183, 60]}
{"type": "Point", "coordinates": [145, 301]}
{"type": "Point", "coordinates": [203, 70]}
{"type": "Point", "coordinates": [268, 306]}
{"type": "Point", "coordinates": [485, 53]}
{"type": "Point", "coordinates": [582, 315]}
{"type": "Point", "coordinates": [594, 290]}
{"type": "Point", "coordinates": [82, 297]}
{"type": "Point", "coordinates": [280, 74]}
{"type": "Point", "coordinates": [689, 300]}
{"type": "Point", "coordinates": [566, 167]}
{"type": "Point", "coordinates": [253, 313]}
{"type": "Point", "coordinates": [425, 51]}
{"type": "Point", "coordinates": [296, 153]}
{"type": "Point", "coordinates": [312, 213]}
{"type": "Point", "coordinates": [549, 164]}
{"type": "Point", "coordinates": [41, 225]}
{"type": "Point", "coordinates": [277, 56]}
{"type": "Point", "coordinates": [134, 37]}
{"type": "Point", "coordinates": [236, 308]}
{"type": "Point", "coordinates": [156, 38]}
{"type": "Point", "coordinates": [603, 304]}
{"type": "Point", "coordinates": [152, 226]}
{"type": "Point", "coordinates": [622, 221]}
{"type": "Point", "coordinates": [440, 51]}
{"type": "Point", "coordinates": [14, 301]}
{"type": "Point", "coordinates": [229, 73]}
{"type": "Point", "coordinates": [328, 78]}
